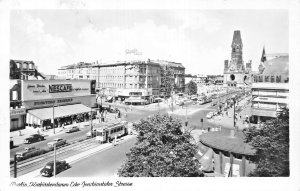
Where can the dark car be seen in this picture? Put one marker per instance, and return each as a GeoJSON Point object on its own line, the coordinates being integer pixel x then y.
{"type": "Point", "coordinates": [34, 138]}
{"type": "Point", "coordinates": [48, 169]}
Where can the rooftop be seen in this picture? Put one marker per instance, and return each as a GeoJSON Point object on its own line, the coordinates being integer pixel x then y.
{"type": "Point", "coordinates": [277, 65]}
{"type": "Point", "coordinates": [222, 140]}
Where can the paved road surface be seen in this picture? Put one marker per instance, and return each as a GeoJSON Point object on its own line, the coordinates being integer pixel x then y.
{"type": "Point", "coordinates": [105, 163]}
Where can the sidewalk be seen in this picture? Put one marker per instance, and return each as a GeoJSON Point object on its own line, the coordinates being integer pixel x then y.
{"type": "Point", "coordinates": [75, 158]}
{"type": "Point", "coordinates": [14, 135]}
{"type": "Point", "coordinates": [227, 120]}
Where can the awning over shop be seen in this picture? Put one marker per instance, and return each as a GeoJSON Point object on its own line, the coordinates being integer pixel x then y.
{"type": "Point", "coordinates": [37, 115]}
{"type": "Point", "coordinates": [135, 100]}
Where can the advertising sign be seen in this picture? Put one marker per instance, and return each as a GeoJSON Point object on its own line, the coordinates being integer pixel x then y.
{"type": "Point", "coordinates": [49, 89]}
{"type": "Point", "coordinates": [57, 88]}
{"type": "Point", "coordinates": [20, 111]}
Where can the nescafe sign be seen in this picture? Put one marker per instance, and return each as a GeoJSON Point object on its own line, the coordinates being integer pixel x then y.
{"type": "Point", "coordinates": [57, 88]}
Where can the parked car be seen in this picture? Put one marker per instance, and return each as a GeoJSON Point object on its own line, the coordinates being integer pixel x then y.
{"type": "Point", "coordinates": [213, 104]}
{"type": "Point", "coordinates": [91, 134]}
{"type": "Point", "coordinates": [72, 129]}
{"type": "Point", "coordinates": [27, 151]}
{"type": "Point", "coordinates": [209, 115]}
{"type": "Point", "coordinates": [48, 169]}
{"type": "Point", "coordinates": [57, 141]}
{"type": "Point", "coordinates": [34, 138]}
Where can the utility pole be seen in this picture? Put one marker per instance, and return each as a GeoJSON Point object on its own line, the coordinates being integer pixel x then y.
{"type": "Point", "coordinates": [91, 119]}
{"type": "Point", "coordinates": [54, 161]}
{"type": "Point", "coordinates": [15, 166]}
{"type": "Point", "coordinates": [53, 121]}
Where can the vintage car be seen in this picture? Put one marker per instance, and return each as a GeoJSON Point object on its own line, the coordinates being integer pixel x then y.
{"type": "Point", "coordinates": [209, 115]}
{"type": "Point", "coordinates": [57, 142]}
{"type": "Point", "coordinates": [27, 151]}
{"type": "Point", "coordinates": [48, 169]}
{"type": "Point", "coordinates": [72, 129]}
{"type": "Point", "coordinates": [34, 138]}
{"type": "Point", "coordinates": [91, 134]}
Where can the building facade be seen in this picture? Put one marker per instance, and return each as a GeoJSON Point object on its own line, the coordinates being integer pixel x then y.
{"type": "Point", "coordinates": [121, 80]}
{"type": "Point", "coordinates": [270, 90]}
{"type": "Point", "coordinates": [44, 100]}
{"type": "Point", "coordinates": [235, 72]}
{"type": "Point", "coordinates": [20, 70]}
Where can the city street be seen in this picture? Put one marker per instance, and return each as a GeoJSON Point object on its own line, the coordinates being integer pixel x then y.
{"type": "Point", "coordinates": [105, 163]}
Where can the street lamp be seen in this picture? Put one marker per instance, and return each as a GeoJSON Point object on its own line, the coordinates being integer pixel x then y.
{"type": "Point", "coordinates": [54, 161]}
{"type": "Point", "coordinates": [234, 117]}
{"type": "Point", "coordinates": [53, 121]}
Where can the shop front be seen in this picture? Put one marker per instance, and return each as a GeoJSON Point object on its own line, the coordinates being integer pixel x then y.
{"type": "Point", "coordinates": [136, 96]}
{"type": "Point", "coordinates": [62, 101]}
{"type": "Point", "coordinates": [17, 119]}
{"type": "Point", "coordinates": [62, 115]}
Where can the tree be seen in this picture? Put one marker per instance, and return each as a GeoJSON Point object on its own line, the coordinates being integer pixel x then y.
{"type": "Point", "coordinates": [271, 143]}
{"type": "Point", "coordinates": [161, 150]}
{"type": "Point", "coordinates": [191, 88]}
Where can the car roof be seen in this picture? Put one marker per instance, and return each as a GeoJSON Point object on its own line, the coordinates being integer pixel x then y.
{"type": "Point", "coordinates": [52, 162]}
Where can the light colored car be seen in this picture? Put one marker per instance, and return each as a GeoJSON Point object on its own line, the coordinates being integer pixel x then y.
{"type": "Point", "coordinates": [57, 141]}
{"type": "Point", "coordinates": [91, 134]}
{"type": "Point", "coordinates": [27, 150]}
{"type": "Point", "coordinates": [210, 115]}
{"type": "Point", "coordinates": [72, 129]}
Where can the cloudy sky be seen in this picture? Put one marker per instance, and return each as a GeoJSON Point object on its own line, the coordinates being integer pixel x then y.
{"type": "Point", "coordinates": [200, 39]}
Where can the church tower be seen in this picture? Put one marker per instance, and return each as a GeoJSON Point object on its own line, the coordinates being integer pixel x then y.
{"type": "Point", "coordinates": [235, 73]}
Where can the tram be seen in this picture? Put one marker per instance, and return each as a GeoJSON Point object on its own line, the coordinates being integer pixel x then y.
{"type": "Point", "coordinates": [110, 131]}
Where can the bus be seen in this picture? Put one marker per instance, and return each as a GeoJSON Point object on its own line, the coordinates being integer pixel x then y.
{"type": "Point", "coordinates": [110, 131]}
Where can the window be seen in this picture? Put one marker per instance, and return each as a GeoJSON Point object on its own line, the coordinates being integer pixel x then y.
{"type": "Point", "coordinates": [278, 79]}
{"type": "Point", "coordinates": [272, 79]}
{"type": "Point", "coordinates": [267, 78]}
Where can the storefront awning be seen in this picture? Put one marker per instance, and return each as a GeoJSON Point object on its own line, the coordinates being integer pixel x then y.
{"type": "Point", "coordinates": [135, 100]}
{"type": "Point", "coordinates": [60, 111]}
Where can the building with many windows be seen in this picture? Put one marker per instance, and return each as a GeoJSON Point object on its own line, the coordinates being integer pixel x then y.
{"type": "Point", "coordinates": [139, 80]}
{"type": "Point", "coordinates": [270, 90]}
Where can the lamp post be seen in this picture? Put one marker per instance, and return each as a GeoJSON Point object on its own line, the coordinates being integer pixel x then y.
{"type": "Point", "coordinates": [54, 161]}
{"type": "Point", "coordinates": [53, 121]}
{"type": "Point", "coordinates": [15, 166]}
{"type": "Point", "coordinates": [91, 119]}
{"type": "Point", "coordinates": [234, 117]}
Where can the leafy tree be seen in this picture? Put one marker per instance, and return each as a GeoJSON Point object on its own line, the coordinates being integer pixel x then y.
{"type": "Point", "coordinates": [271, 142]}
{"type": "Point", "coordinates": [161, 150]}
{"type": "Point", "coordinates": [191, 88]}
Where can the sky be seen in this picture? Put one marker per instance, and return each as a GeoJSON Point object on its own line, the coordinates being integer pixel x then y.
{"type": "Point", "coordinates": [199, 39]}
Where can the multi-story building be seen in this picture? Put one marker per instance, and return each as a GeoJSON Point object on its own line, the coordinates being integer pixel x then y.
{"type": "Point", "coordinates": [235, 73]}
{"type": "Point", "coordinates": [20, 70]}
{"type": "Point", "coordinates": [178, 75]}
{"type": "Point", "coordinates": [270, 90]}
{"type": "Point", "coordinates": [139, 79]}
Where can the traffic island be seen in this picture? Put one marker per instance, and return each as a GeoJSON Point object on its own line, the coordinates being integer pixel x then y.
{"type": "Point", "coordinates": [229, 155]}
